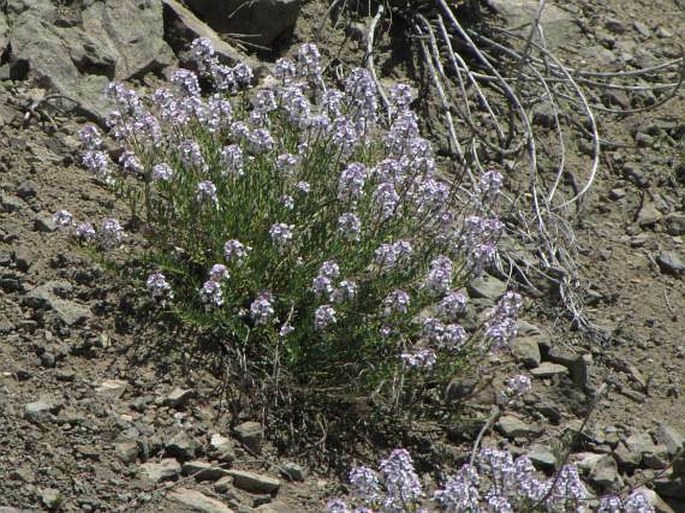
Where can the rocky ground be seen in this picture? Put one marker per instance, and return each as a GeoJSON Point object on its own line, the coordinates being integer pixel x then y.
{"type": "Point", "coordinates": [101, 409]}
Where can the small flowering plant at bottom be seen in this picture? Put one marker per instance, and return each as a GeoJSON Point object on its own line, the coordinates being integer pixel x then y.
{"type": "Point", "coordinates": [496, 482]}
{"type": "Point", "coordinates": [311, 238]}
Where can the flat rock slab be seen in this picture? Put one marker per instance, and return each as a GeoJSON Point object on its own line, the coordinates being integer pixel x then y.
{"type": "Point", "coordinates": [198, 501]}
{"type": "Point", "coordinates": [44, 296]}
{"type": "Point", "coordinates": [165, 470]}
{"type": "Point", "coordinates": [548, 370]}
{"type": "Point", "coordinates": [253, 482]}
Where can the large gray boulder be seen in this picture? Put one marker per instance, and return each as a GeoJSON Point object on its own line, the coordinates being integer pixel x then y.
{"type": "Point", "coordinates": [115, 40]}
{"type": "Point", "coordinates": [256, 22]}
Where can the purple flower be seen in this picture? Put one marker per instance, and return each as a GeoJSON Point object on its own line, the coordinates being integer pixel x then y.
{"type": "Point", "coordinates": [332, 103]}
{"type": "Point", "coordinates": [202, 51]}
{"type": "Point", "coordinates": [90, 137]}
{"type": "Point", "coordinates": [460, 492]}
{"type": "Point", "coordinates": [336, 506]}
{"type": "Point", "coordinates": [360, 91]}
{"type": "Point", "coordinates": [386, 200]}
{"type": "Point", "coordinates": [344, 133]}
{"type": "Point", "coordinates": [286, 163]}
{"type": "Point", "coordinates": [281, 234]}
{"type": "Point", "coordinates": [243, 74]}
{"type": "Point", "coordinates": [324, 316]}
{"type": "Point", "coordinates": [261, 309]}
{"type": "Point", "coordinates": [236, 251]}
{"type": "Point", "coordinates": [85, 232]}
{"type": "Point", "coordinates": [452, 305]}
{"type": "Point", "coordinates": [433, 329]}
{"type": "Point", "coordinates": [285, 71]}
{"type": "Point", "coordinates": [130, 162]}
{"type": "Point", "coordinates": [96, 162]}
{"type": "Point", "coordinates": [440, 274]}
{"type": "Point", "coordinates": [287, 201]}
{"type": "Point", "coordinates": [309, 62]}
{"type": "Point", "coordinates": [401, 482]}
{"type": "Point", "coordinates": [388, 256]}
{"type": "Point", "coordinates": [637, 503]}
{"type": "Point", "coordinates": [62, 218]}
{"type": "Point", "coordinates": [453, 337]}
{"type": "Point", "coordinates": [517, 386]}
{"type": "Point", "coordinates": [490, 184]}
{"type": "Point", "coordinates": [296, 104]}
{"type": "Point", "coordinates": [220, 113]}
{"type": "Point", "coordinates": [285, 330]}
{"type": "Point", "coordinates": [158, 288]}
{"type": "Point", "coordinates": [218, 272]}
{"type": "Point", "coordinates": [322, 286]}
{"type": "Point", "coordinates": [345, 291]}
{"type": "Point", "coordinates": [191, 154]}
{"type": "Point", "coordinates": [365, 484]}
{"type": "Point", "coordinates": [232, 159]}
{"type": "Point", "coordinates": [423, 359]}
{"type": "Point", "coordinates": [260, 140]}
{"type": "Point", "coordinates": [206, 190]}
{"type": "Point", "coordinates": [329, 269]}
{"type": "Point", "coordinates": [186, 81]}
{"type": "Point", "coordinates": [396, 302]}
{"type": "Point", "coordinates": [162, 172]}
{"type": "Point", "coordinates": [400, 97]}
{"type": "Point", "coordinates": [303, 187]}
{"type": "Point", "coordinates": [349, 226]}
{"type": "Point", "coordinates": [110, 233]}
{"type": "Point", "coordinates": [211, 294]}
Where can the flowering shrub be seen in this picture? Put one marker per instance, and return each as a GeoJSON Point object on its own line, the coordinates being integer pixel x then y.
{"type": "Point", "coordinates": [286, 218]}
{"type": "Point", "coordinates": [495, 483]}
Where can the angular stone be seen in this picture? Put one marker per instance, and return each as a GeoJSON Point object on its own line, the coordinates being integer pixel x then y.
{"type": "Point", "coordinates": [250, 434]}
{"type": "Point", "coordinates": [261, 22]}
{"type": "Point", "coordinates": [43, 296]}
{"type": "Point", "coordinates": [112, 388]}
{"type": "Point", "coordinates": [41, 411]}
{"type": "Point", "coordinates": [671, 263]}
{"type": "Point", "coordinates": [548, 370]}
{"type": "Point", "coordinates": [253, 482]}
{"type": "Point", "coordinates": [126, 450]}
{"type": "Point", "coordinates": [640, 443]}
{"type": "Point", "coordinates": [648, 215]}
{"type": "Point", "coordinates": [224, 484]}
{"type": "Point", "coordinates": [513, 427]}
{"type": "Point", "coordinates": [204, 471]}
{"type": "Point", "coordinates": [487, 287]}
{"type": "Point", "coordinates": [222, 448]}
{"type": "Point", "coordinates": [276, 507]}
{"type": "Point", "coordinates": [542, 457]}
{"type": "Point", "coordinates": [165, 470]}
{"type": "Point", "coordinates": [178, 397]}
{"type": "Point", "coordinates": [605, 474]}
{"type": "Point", "coordinates": [293, 471]}
{"type": "Point", "coordinates": [626, 458]}
{"type": "Point", "coordinates": [671, 438]}
{"type": "Point", "coordinates": [51, 498]}
{"type": "Point", "coordinates": [198, 501]}
{"type": "Point", "coordinates": [527, 351]}
{"type": "Point", "coordinates": [182, 446]}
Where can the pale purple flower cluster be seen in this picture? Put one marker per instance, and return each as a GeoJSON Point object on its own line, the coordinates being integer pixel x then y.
{"type": "Point", "coordinates": [440, 275]}
{"type": "Point", "coordinates": [452, 305]}
{"type": "Point", "coordinates": [400, 480]}
{"type": "Point", "coordinates": [351, 183]}
{"type": "Point", "coordinates": [236, 251]}
{"type": "Point", "coordinates": [206, 191]}
{"type": "Point", "coordinates": [388, 256]}
{"type": "Point", "coordinates": [349, 226]}
{"type": "Point", "coordinates": [96, 162]}
{"type": "Point", "coordinates": [421, 359]}
{"type": "Point", "coordinates": [225, 78]}
{"type": "Point", "coordinates": [396, 302]}
{"type": "Point", "coordinates": [361, 93]}
{"type": "Point", "coordinates": [448, 337]}
{"type": "Point", "coordinates": [186, 81]}
{"type": "Point", "coordinates": [262, 310]}
{"type": "Point", "coordinates": [517, 386]}
{"type": "Point", "coordinates": [211, 294]}
{"type": "Point", "coordinates": [286, 163]}
{"type": "Point", "coordinates": [386, 200]}
{"type": "Point", "coordinates": [281, 234]}
{"type": "Point", "coordinates": [636, 502]}
{"type": "Point", "coordinates": [62, 219]}
{"type": "Point", "coordinates": [324, 316]}
{"type": "Point", "coordinates": [345, 291]}
{"type": "Point", "coordinates": [260, 140]}
{"type": "Point", "coordinates": [232, 160]}
{"type": "Point", "coordinates": [489, 185]}
{"type": "Point", "coordinates": [130, 162]}
{"type": "Point", "coordinates": [322, 285]}
{"type": "Point", "coordinates": [501, 327]}
{"type": "Point", "coordinates": [477, 238]}
{"type": "Point", "coordinates": [159, 289]}
{"type": "Point", "coordinates": [162, 172]}
{"type": "Point", "coordinates": [111, 233]}
{"type": "Point", "coordinates": [191, 154]}
{"type": "Point", "coordinates": [218, 272]}
{"type": "Point", "coordinates": [90, 136]}
{"type": "Point", "coordinates": [85, 232]}
{"type": "Point", "coordinates": [308, 64]}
